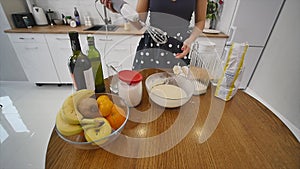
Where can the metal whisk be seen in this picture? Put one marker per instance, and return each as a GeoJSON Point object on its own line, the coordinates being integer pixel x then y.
{"type": "Point", "coordinates": [158, 35]}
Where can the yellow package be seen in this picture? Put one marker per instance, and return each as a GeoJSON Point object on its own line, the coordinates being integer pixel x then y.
{"type": "Point", "coordinates": [229, 82]}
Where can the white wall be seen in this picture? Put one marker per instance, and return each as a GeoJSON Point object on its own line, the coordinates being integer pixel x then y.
{"type": "Point", "coordinates": [85, 8]}
{"type": "Point", "coordinates": [276, 80]}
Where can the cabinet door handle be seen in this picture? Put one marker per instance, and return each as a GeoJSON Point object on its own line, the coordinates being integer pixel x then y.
{"type": "Point", "coordinates": [26, 38]}
{"type": "Point", "coordinates": [31, 47]}
{"type": "Point", "coordinates": [231, 35]}
{"type": "Point", "coordinates": [105, 39]}
{"type": "Point", "coordinates": [121, 49]}
{"type": "Point", "coordinates": [225, 53]}
{"type": "Point", "coordinates": [62, 39]}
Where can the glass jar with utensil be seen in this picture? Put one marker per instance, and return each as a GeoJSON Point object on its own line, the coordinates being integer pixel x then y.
{"type": "Point", "coordinates": [203, 61]}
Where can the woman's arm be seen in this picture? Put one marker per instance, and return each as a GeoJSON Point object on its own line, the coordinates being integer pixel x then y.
{"type": "Point", "coordinates": [200, 14]}
{"type": "Point", "coordinates": [142, 9]}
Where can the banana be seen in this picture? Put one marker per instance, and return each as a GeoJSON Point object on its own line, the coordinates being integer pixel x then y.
{"type": "Point", "coordinates": [91, 121]}
{"type": "Point", "coordinates": [78, 96]}
{"type": "Point", "coordinates": [97, 129]}
{"type": "Point", "coordinates": [68, 111]}
{"type": "Point", "coordinates": [65, 128]}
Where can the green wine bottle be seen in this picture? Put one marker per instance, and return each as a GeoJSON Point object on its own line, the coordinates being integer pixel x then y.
{"type": "Point", "coordinates": [80, 66]}
{"type": "Point", "coordinates": [94, 57]}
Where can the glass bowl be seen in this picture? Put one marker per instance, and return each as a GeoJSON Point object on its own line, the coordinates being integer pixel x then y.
{"type": "Point", "coordinates": [176, 91]}
{"type": "Point", "coordinates": [79, 140]}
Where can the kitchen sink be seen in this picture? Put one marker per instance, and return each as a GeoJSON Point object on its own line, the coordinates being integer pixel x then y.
{"type": "Point", "coordinates": [110, 28]}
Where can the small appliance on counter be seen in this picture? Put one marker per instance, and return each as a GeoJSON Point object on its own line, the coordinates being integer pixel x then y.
{"type": "Point", "coordinates": [39, 16]}
{"type": "Point", "coordinates": [51, 16]}
{"type": "Point", "coordinates": [19, 22]}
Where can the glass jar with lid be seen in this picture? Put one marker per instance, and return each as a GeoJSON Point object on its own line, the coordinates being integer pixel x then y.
{"type": "Point", "coordinates": [130, 87]}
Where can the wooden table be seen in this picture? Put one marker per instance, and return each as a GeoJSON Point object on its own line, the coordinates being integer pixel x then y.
{"type": "Point", "coordinates": [248, 135]}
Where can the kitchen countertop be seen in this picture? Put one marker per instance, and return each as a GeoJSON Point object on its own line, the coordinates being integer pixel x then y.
{"type": "Point", "coordinates": [62, 29]}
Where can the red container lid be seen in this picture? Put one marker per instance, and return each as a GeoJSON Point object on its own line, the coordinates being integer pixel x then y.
{"type": "Point", "coordinates": [130, 76]}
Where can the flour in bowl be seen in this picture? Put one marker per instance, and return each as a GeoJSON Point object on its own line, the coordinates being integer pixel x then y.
{"type": "Point", "coordinates": [169, 91]}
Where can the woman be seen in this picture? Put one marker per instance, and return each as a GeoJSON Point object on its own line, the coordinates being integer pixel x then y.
{"type": "Point", "coordinates": [172, 16]}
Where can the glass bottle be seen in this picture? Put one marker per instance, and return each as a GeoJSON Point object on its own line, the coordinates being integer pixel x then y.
{"type": "Point", "coordinates": [80, 66]}
{"type": "Point", "coordinates": [94, 57]}
{"type": "Point", "coordinates": [76, 15]}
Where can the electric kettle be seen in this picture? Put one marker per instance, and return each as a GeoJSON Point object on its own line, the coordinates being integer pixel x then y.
{"type": "Point", "coordinates": [39, 16]}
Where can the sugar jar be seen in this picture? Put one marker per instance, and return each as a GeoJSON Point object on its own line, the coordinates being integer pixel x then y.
{"type": "Point", "coordinates": [130, 87]}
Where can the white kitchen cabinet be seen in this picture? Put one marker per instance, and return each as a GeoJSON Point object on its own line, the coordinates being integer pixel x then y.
{"type": "Point", "coordinates": [114, 48]}
{"type": "Point", "coordinates": [44, 57]}
{"type": "Point", "coordinates": [35, 58]}
{"type": "Point", "coordinates": [60, 49]}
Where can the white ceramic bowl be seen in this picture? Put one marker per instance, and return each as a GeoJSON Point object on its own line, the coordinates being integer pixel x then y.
{"type": "Point", "coordinates": [162, 97]}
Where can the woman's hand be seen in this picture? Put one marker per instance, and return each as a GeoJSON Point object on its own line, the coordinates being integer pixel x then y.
{"type": "Point", "coordinates": [185, 48]}
{"type": "Point", "coordinates": [108, 4]}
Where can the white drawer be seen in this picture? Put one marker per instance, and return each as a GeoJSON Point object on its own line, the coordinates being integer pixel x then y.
{"type": "Point", "coordinates": [27, 38]}
{"type": "Point", "coordinates": [60, 49]}
{"type": "Point", "coordinates": [103, 39]}
{"type": "Point", "coordinates": [114, 38]}
{"type": "Point", "coordinates": [114, 48]}
{"type": "Point", "coordinates": [118, 51]}
{"type": "Point", "coordinates": [36, 62]}
{"type": "Point", "coordinates": [58, 38]}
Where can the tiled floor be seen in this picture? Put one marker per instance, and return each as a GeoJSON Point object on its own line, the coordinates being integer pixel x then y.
{"type": "Point", "coordinates": [27, 123]}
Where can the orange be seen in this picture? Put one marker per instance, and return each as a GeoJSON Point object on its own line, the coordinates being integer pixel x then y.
{"type": "Point", "coordinates": [105, 105]}
{"type": "Point", "coordinates": [117, 117]}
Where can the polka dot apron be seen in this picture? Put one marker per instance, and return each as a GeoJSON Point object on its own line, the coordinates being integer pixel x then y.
{"type": "Point", "coordinates": [149, 54]}
{"type": "Point", "coordinates": [174, 18]}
